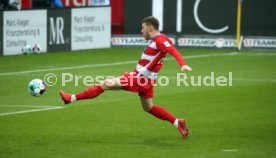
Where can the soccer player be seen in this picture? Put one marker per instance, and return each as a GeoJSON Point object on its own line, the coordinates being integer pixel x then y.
{"type": "Point", "coordinates": [142, 79]}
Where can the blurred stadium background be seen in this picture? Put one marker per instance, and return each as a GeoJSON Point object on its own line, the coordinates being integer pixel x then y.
{"type": "Point", "coordinates": [102, 37]}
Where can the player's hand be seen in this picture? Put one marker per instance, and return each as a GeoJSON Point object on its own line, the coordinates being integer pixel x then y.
{"type": "Point", "coordinates": [186, 68]}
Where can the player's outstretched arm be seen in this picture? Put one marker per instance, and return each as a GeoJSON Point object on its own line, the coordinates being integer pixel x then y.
{"type": "Point", "coordinates": [180, 60]}
{"type": "Point", "coordinates": [166, 46]}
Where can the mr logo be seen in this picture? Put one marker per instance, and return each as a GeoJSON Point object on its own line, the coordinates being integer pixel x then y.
{"type": "Point", "coordinates": [56, 30]}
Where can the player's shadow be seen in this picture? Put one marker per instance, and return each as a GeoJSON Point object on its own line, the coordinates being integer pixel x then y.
{"type": "Point", "coordinates": [166, 142]}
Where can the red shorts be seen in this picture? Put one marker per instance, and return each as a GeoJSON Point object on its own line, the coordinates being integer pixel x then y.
{"type": "Point", "coordinates": [141, 85]}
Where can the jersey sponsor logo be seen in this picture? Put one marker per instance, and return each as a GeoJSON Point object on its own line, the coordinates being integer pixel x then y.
{"type": "Point", "coordinates": [153, 45]}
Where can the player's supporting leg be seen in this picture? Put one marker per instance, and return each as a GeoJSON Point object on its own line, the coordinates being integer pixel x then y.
{"type": "Point", "coordinates": [92, 92]}
{"type": "Point", "coordinates": [163, 114]}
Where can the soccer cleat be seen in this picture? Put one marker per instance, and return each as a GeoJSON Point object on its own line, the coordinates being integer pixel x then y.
{"type": "Point", "coordinates": [65, 97]}
{"type": "Point", "coordinates": [182, 128]}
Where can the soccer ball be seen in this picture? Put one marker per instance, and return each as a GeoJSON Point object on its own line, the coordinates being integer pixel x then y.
{"type": "Point", "coordinates": [27, 49]}
{"type": "Point", "coordinates": [36, 49]}
{"type": "Point", "coordinates": [36, 87]}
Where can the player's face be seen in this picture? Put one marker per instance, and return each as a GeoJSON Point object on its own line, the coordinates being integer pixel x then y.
{"type": "Point", "coordinates": [145, 31]}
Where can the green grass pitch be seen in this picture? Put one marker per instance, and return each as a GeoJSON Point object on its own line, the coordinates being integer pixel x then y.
{"type": "Point", "coordinates": [237, 121]}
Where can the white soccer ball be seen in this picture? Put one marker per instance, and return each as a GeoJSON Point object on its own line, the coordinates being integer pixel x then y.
{"type": "Point", "coordinates": [36, 48]}
{"type": "Point", "coordinates": [36, 87]}
{"type": "Point", "coordinates": [27, 49]}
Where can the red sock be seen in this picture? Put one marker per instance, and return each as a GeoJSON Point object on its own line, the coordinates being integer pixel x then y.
{"type": "Point", "coordinates": [162, 113]}
{"type": "Point", "coordinates": [91, 92]}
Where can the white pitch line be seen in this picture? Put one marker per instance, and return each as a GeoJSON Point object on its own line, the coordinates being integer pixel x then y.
{"type": "Point", "coordinates": [254, 80]}
{"type": "Point", "coordinates": [67, 68]}
{"type": "Point", "coordinates": [257, 54]}
{"type": "Point", "coordinates": [206, 55]}
{"type": "Point", "coordinates": [27, 106]}
{"type": "Point", "coordinates": [230, 150]}
{"type": "Point", "coordinates": [110, 64]}
{"type": "Point", "coordinates": [28, 111]}
{"type": "Point", "coordinates": [135, 61]}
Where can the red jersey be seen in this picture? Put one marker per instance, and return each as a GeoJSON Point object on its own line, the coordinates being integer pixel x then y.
{"type": "Point", "coordinates": [152, 58]}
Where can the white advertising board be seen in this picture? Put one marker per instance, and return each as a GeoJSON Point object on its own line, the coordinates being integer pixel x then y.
{"type": "Point", "coordinates": [91, 28]}
{"type": "Point", "coordinates": [24, 27]}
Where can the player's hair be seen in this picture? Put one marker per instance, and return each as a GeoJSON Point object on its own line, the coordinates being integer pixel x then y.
{"type": "Point", "coordinates": [150, 20]}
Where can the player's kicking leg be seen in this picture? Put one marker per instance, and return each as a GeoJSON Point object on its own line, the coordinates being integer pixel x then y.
{"type": "Point", "coordinates": [92, 92]}
{"type": "Point", "coordinates": [163, 114]}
